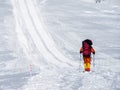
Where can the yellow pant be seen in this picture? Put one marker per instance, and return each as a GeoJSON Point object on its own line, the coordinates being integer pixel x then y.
{"type": "Point", "coordinates": [87, 61]}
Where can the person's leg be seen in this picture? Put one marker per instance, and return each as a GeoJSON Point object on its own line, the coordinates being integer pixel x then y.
{"type": "Point", "coordinates": [87, 61]}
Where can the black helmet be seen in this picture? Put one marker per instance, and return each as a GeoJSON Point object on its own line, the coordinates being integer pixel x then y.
{"type": "Point", "coordinates": [88, 41]}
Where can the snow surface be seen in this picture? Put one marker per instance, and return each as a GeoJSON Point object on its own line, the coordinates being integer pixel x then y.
{"type": "Point", "coordinates": [40, 41]}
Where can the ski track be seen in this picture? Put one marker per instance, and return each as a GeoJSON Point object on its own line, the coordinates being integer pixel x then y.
{"type": "Point", "coordinates": [30, 32]}
{"type": "Point", "coordinates": [45, 37]}
{"type": "Point", "coordinates": [40, 38]}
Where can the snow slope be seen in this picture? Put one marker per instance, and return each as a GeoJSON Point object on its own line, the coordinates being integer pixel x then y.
{"type": "Point", "coordinates": [44, 37]}
{"type": "Point", "coordinates": [34, 28]}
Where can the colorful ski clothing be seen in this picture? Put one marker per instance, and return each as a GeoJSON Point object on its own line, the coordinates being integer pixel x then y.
{"type": "Point", "coordinates": [91, 50]}
{"type": "Point", "coordinates": [86, 50]}
{"type": "Point", "coordinates": [87, 62]}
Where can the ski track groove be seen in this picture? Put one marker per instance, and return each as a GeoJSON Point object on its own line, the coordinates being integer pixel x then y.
{"type": "Point", "coordinates": [46, 37]}
{"type": "Point", "coordinates": [39, 34]}
{"type": "Point", "coordinates": [36, 38]}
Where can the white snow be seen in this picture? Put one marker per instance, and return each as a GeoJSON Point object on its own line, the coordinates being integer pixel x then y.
{"type": "Point", "coordinates": [40, 41]}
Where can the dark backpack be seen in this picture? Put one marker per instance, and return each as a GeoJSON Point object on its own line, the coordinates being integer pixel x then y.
{"type": "Point", "coordinates": [86, 45]}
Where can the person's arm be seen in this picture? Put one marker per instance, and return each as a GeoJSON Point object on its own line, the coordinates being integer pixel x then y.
{"type": "Point", "coordinates": [92, 50]}
{"type": "Point", "coordinates": [81, 50]}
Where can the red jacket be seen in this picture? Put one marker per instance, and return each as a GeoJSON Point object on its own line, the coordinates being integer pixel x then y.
{"type": "Point", "coordinates": [92, 50]}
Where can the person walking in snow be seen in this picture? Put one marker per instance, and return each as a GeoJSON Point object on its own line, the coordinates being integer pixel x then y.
{"type": "Point", "coordinates": [86, 51]}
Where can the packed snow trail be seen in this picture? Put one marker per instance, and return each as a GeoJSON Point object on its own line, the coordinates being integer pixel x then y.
{"type": "Point", "coordinates": [32, 35]}
{"type": "Point", "coordinates": [42, 40]}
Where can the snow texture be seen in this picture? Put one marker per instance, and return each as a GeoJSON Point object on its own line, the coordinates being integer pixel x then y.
{"type": "Point", "coordinates": [40, 42]}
